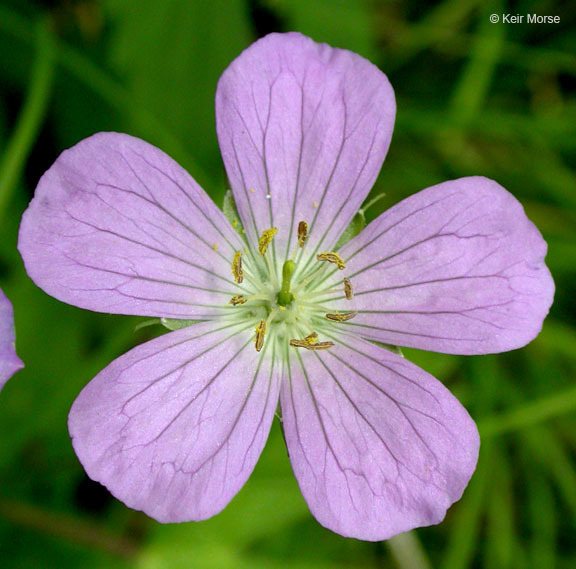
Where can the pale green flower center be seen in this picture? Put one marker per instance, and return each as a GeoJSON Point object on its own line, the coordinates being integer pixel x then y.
{"type": "Point", "coordinates": [288, 303]}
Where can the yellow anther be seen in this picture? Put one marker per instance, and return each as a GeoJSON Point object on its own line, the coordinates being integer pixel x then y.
{"type": "Point", "coordinates": [237, 267]}
{"type": "Point", "coordinates": [215, 247]}
{"type": "Point", "coordinates": [238, 299]}
{"type": "Point", "coordinates": [302, 233]}
{"type": "Point", "coordinates": [266, 239]}
{"type": "Point", "coordinates": [311, 343]}
{"type": "Point", "coordinates": [260, 331]}
{"type": "Point", "coordinates": [332, 258]}
{"type": "Point", "coordinates": [317, 346]}
{"type": "Point", "coordinates": [341, 316]}
{"type": "Point", "coordinates": [348, 289]}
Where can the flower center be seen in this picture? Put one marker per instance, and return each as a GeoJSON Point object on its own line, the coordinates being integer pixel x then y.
{"type": "Point", "coordinates": [291, 309]}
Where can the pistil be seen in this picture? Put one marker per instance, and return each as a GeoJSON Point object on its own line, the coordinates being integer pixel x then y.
{"type": "Point", "coordinates": [285, 296]}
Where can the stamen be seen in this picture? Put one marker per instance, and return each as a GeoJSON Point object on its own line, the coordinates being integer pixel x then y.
{"type": "Point", "coordinates": [266, 239]}
{"type": "Point", "coordinates": [348, 289]}
{"type": "Point", "coordinates": [341, 316]}
{"type": "Point", "coordinates": [260, 331]}
{"type": "Point", "coordinates": [302, 233]}
{"type": "Point", "coordinates": [237, 267]}
{"type": "Point", "coordinates": [238, 299]}
{"type": "Point", "coordinates": [310, 340]}
{"type": "Point", "coordinates": [317, 346]}
{"type": "Point", "coordinates": [332, 257]}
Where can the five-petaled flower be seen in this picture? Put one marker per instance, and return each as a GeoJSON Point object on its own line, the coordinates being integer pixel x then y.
{"type": "Point", "coordinates": [10, 363]}
{"type": "Point", "coordinates": [175, 426]}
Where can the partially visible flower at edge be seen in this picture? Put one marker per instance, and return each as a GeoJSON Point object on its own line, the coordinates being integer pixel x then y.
{"type": "Point", "coordinates": [10, 363]}
{"type": "Point", "coordinates": [175, 426]}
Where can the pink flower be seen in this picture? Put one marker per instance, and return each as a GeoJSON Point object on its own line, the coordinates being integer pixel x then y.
{"type": "Point", "coordinates": [175, 426]}
{"type": "Point", "coordinates": [10, 363]}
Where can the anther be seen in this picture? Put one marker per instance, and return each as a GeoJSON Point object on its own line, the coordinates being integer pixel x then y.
{"type": "Point", "coordinates": [238, 299]}
{"type": "Point", "coordinates": [266, 239]}
{"type": "Point", "coordinates": [302, 233]}
{"type": "Point", "coordinates": [307, 346]}
{"type": "Point", "coordinates": [332, 258]}
{"type": "Point", "coordinates": [237, 267]}
{"type": "Point", "coordinates": [341, 316]}
{"type": "Point", "coordinates": [348, 289]}
{"type": "Point", "coordinates": [260, 331]}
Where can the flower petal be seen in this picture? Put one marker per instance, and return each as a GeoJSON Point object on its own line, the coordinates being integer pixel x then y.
{"type": "Point", "coordinates": [175, 426]}
{"type": "Point", "coordinates": [117, 226]}
{"type": "Point", "coordinates": [303, 130]}
{"type": "Point", "coordinates": [456, 268]}
{"type": "Point", "coordinates": [10, 363]}
{"type": "Point", "coordinates": [378, 445]}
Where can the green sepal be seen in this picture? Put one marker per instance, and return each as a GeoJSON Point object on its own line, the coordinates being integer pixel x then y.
{"type": "Point", "coordinates": [147, 323]}
{"type": "Point", "coordinates": [174, 324]}
{"type": "Point", "coordinates": [231, 212]}
{"type": "Point", "coordinates": [358, 222]}
{"type": "Point", "coordinates": [390, 348]}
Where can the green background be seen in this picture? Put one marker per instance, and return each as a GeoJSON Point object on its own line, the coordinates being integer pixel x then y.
{"type": "Point", "coordinates": [473, 98]}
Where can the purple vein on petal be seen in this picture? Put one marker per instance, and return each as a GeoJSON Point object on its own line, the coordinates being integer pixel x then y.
{"type": "Point", "coordinates": [186, 421]}
{"type": "Point", "coordinates": [377, 445]}
{"type": "Point", "coordinates": [156, 250]}
{"type": "Point", "coordinates": [205, 388]}
{"type": "Point", "coordinates": [202, 210]}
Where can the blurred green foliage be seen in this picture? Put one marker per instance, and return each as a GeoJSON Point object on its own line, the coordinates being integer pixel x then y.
{"type": "Point", "coordinates": [473, 98]}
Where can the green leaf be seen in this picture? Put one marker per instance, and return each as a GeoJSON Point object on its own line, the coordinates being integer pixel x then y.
{"type": "Point", "coordinates": [543, 520]}
{"type": "Point", "coordinates": [31, 116]}
{"type": "Point", "coordinates": [323, 21]}
{"type": "Point", "coordinates": [529, 413]}
{"type": "Point", "coordinates": [172, 55]}
{"type": "Point", "coordinates": [465, 531]}
{"type": "Point", "coordinates": [501, 543]}
{"type": "Point", "coordinates": [472, 88]}
{"type": "Point", "coordinates": [550, 451]}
